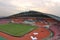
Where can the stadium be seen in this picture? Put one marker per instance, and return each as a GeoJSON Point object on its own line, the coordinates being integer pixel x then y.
{"type": "Point", "coordinates": [29, 25]}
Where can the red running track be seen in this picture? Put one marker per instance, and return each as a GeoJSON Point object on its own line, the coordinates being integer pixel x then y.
{"type": "Point", "coordinates": [42, 33]}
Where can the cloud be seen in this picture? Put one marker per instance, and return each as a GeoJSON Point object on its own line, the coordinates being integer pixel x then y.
{"type": "Point", "coordinates": [10, 7]}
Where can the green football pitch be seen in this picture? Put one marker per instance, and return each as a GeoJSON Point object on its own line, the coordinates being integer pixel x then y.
{"type": "Point", "coordinates": [16, 29]}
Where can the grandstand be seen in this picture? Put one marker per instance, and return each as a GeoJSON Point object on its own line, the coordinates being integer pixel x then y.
{"type": "Point", "coordinates": [30, 15]}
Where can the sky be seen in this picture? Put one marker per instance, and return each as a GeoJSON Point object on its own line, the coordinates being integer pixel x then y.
{"type": "Point", "coordinates": [10, 7]}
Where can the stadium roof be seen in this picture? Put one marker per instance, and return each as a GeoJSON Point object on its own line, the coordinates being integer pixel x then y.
{"type": "Point", "coordinates": [30, 14]}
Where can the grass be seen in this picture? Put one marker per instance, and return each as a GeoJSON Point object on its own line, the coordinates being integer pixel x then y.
{"type": "Point", "coordinates": [1, 38]}
{"type": "Point", "coordinates": [16, 29]}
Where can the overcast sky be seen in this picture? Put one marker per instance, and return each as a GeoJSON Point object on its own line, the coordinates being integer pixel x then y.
{"type": "Point", "coordinates": [9, 7]}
